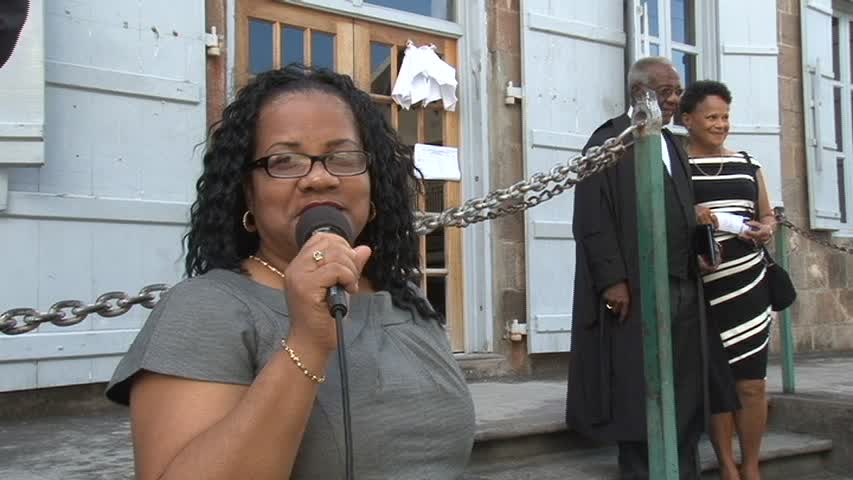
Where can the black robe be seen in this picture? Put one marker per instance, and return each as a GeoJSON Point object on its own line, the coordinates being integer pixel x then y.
{"type": "Point", "coordinates": [606, 389]}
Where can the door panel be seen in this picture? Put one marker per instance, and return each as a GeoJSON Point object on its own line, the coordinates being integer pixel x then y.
{"type": "Point", "coordinates": [372, 55]}
{"type": "Point", "coordinates": [124, 111]}
{"type": "Point", "coordinates": [441, 251]}
{"type": "Point", "coordinates": [22, 97]}
{"type": "Point", "coordinates": [819, 109]}
{"type": "Point", "coordinates": [749, 66]}
{"type": "Point", "coordinates": [573, 77]}
{"type": "Point", "coordinates": [326, 40]}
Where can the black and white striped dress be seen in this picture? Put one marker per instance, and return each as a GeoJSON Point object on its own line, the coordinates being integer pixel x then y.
{"type": "Point", "coordinates": [737, 290]}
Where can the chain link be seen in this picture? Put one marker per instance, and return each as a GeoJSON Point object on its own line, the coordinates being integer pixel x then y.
{"type": "Point", "coordinates": [520, 196]}
{"type": "Point", "coordinates": [71, 312]}
{"type": "Point", "coordinates": [529, 193]}
{"type": "Point", "coordinates": [781, 220]}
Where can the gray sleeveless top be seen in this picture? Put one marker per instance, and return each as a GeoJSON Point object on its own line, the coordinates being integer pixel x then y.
{"type": "Point", "coordinates": [412, 414]}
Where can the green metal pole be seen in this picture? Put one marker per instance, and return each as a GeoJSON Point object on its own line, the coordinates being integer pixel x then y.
{"type": "Point", "coordinates": [654, 296]}
{"type": "Point", "coordinates": [787, 329]}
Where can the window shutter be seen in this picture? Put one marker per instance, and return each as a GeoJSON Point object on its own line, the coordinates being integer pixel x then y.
{"type": "Point", "coordinates": [22, 95]}
{"type": "Point", "coordinates": [749, 66]}
{"type": "Point", "coordinates": [560, 111]}
{"type": "Point", "coordinates": [124, 87]}
{"type": "Point", "coordinates": [819, 109]}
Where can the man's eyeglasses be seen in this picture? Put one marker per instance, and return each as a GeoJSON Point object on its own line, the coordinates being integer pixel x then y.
{"type": "Point", "coordinates": [665, 92]}
{"type": "Point", "coordinates": [296, 165]}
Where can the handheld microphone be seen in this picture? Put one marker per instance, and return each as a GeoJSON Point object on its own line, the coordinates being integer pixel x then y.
{"type": "Point", "coordinates": [326, 219]}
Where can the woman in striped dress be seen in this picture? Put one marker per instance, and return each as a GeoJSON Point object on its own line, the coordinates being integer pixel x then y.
{"type": "Point", "coordinates": [725, 181]}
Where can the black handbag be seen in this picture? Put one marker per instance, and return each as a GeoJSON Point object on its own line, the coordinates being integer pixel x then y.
{"type": "Point", "coordinates": [779, 285]}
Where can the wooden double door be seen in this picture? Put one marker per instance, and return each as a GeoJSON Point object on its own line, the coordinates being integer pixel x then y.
{"type": "Point", "coordinates": [272, 34]}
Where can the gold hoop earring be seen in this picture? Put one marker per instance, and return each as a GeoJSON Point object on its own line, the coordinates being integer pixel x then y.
{"type": "Point", "coordinates": [249, 228]}
{"type": "Point", "coordinates": [372, 213]}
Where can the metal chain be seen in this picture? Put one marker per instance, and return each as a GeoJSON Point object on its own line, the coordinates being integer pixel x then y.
{"type": "Point", "coordinates": [525, 194]}
{"type": "Point", "coordinates": [71, 312]}
{"type": "Point", "coordinates": [520, 196]}
{"type": "Point", "coordinates": [529, 193]}
{"type": "Point", "coordinates": [781, 220]}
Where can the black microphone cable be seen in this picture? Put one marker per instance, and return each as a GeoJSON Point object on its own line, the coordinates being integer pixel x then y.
{"type": "Point", "coordinates": [339, 311]}
{"type": "Point", "coordinates": [328, 219]}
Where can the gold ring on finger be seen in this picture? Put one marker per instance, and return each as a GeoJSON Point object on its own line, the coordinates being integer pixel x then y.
{"type": "Point", "coordinates": [318, 256]}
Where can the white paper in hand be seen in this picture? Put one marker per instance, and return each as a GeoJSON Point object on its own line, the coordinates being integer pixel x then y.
{"type": "Point", "coordinates": [731, 223]}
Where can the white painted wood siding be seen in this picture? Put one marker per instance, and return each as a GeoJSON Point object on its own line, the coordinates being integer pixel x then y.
{"type": "Point", "coordinates": [125, 108]}
{"type": "Point", "coordinates": [749, 66]}
{"type": "Point", "coordinates": [22, 97]}
{"type": "Point", "coordinates": [819, 109]}
{"type": "Point", "coordinates": [573, 78]}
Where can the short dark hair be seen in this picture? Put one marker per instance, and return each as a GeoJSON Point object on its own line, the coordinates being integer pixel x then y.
{"type": "Point", "coordinates": [697, 92]}
{"type": "Point", "coordinates": [216, 237]}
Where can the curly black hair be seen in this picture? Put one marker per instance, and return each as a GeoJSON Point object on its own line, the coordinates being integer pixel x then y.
{"type": "Point", "coordinates": [698, 91]}
{"type": "Point", "coordinates": [217, 239]}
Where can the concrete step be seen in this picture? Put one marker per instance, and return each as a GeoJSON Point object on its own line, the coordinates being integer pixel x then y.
{"type": "Point", "coordinates": [520, 419]}
{"type": "Point", "coordinates": [482, 366]}
{"type": "Point", "coordinates": [784, 456]}
{"type": "Point", "coordinates": [828, 475]}
{"type": "Point", "coordinates": [827, 414]}
{"type": "Point", "coordinates": [521, 434]}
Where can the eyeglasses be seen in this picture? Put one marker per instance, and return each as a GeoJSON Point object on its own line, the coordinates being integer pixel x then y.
{"type": "Point", "coordinates": [296, 165]}
{"type": "Point", "coordinates": [665, 92]}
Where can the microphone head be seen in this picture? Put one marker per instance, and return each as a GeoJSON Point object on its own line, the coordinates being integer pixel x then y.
{"type": "Point", "coordinates": [323, 218]}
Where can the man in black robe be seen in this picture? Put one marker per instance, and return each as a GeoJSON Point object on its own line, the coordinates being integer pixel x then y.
{"type": "Point", "coordinates": [606, 392]}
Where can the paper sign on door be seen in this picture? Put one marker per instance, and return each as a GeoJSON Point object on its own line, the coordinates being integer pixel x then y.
{"type": "Point", "coordinates": [438, 163]}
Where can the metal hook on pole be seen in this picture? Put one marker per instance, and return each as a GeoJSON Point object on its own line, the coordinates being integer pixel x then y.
{"type": "Point", "coordinates": [646, 113]}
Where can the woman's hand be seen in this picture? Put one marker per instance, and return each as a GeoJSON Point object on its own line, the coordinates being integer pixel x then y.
{"type": "Point", "coordinates": [704, 266]}
{"type": "Point", "coordinates": [759, 233]}
{"type": "Point", "coordinates": [704, 216]}
{"type": "Point", "coordinates": [325, 260]}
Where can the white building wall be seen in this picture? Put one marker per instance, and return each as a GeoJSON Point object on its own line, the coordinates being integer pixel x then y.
{"type": "Point", "coordinates": [124, 110]}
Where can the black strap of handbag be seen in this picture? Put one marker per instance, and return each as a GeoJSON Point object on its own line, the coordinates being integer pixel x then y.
{"type": "Point", "coordinates": [755, 207]}
{"type": "Point", "coordinates": [768, 260]}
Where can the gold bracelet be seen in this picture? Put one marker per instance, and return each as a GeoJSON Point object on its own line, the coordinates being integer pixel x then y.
{"type": "Point", "coordinates": [298, 362]}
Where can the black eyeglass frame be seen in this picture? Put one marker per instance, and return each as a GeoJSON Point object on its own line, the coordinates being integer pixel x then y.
{"type": "Point", "coordinates": [666, 92]}
{"type": "Point", "coordinates": [264, 162]}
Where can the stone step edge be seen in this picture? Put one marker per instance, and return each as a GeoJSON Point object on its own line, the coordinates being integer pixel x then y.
{"type": "Point", "coordinates": [483, 366]}
{"type": "Point", "coordinates": [771, 451]}
{"type": "Point", "coordinates": [508, 428]}
{"type": "Point", "coordinates": [809, 444]}
{"type": "Point", "coordinates": [530, 428]}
